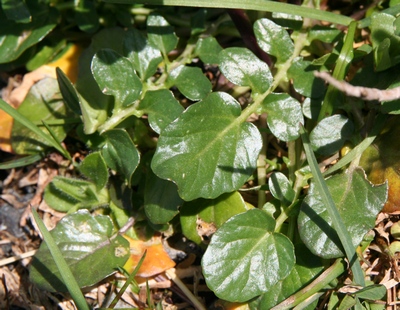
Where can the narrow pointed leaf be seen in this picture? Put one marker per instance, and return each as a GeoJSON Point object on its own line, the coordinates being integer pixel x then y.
{"type": "Point", "coordinates": [246, 258]}
{"type": "Point", "coordinates": [207, 151]}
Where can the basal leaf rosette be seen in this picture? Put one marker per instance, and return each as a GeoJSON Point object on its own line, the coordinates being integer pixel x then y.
{"type": "Point", "coordinates": [208, 150]}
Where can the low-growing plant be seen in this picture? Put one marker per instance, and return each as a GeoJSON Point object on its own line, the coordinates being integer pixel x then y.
{"type": "Point", "coordinates": [171, 148]}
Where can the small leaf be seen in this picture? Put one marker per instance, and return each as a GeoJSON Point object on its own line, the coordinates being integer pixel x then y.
{"type": "Point", "coordinates": [244, 68]}
{"type": "Point", "coordinates": [193, 152]}
{"type": "Point", "coordinates": [162, 108]}
{"type": "Point", "coordinates": [273, 39]}
{"type": "Point", "coordinates": [246, 258]}
{"type": "Point", "coordinates": [65, 194]}
{"type": "Point", "coordinates": [94, 167]}
{"type": "Point", "coordinates": [120, 153]}
{"type": "Point", "coordinates": [324, 34]}
{"type": "Point", "coordinates": [358, 203]}
{"type": "Point", "coordinates": [304, 81]}
{"type": "Point", "coordinates": [161, 34]}
{"type": "Point", "coordinates": [280, 188]}
{"type": "Point", "coordinates": [372, 292]}
{"type": "Point", "coordinates": [191, 82]}
{"type": "Point", "coordinates": [86, 16]}
{"type": "Point", "coordinates": [16, 38]}
{"type": "Point", "coordinates": [213, 212]}
{"type": "Point", "coordinates": [208, 50]}
{"type": "Point", "coordinates": [144, 57]}
{"type": "Point", "coordinates": [330, 134]}
{"type": "Point", "coordinates": [84, 241]}
{"type": "Point", "coordinates": [161, 199]}
{"type": "Point", "coordinates": [16, 10]}
{"type": "Point", "coordinates": [116, 76]}
{"type": "Point", "coordinates": [284, 116]}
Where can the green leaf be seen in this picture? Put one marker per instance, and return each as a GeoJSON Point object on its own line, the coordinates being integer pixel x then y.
{"type": "Point", "coordinates": [41, 104]}
{"type": "Point", "coordinates": [94, 167]}
{"type": "Point", "coordinates": [191, 82]}
{"type": "Point", "coordinates": [244, 68]}
{"type": "Point", "coordinates": [16, 10]}
{"type": "Point", "coordinates": [207, 151]}
{"type": "Point", "coordinates": [307, 267]}
{"type": "Point", "coordinates": [144, 57]}
{"type": "Point", "coordinates": [358, 203]}
{"type": "Point", "coordinates": [208, 50]}
{"type": "Point", "coordinates": [273, 39]}
{"type": "Point", "coordinates": [120, 153]}
{"type": "Point", "coordinates": [161, 34]}
{"type": "Point", "coordinates": [324, 34]}
{"type": "Point", "coordinates": [214, 212]}
{"type": "Point", "coordinates": [66, 194]}
{"type": "Point", "coordinates": [161, 107]}
{"type": "Point", "coordinates": [86, 16]}
{"type": "Point", "coordinates": [245, 258]}
{"type": "Point", "coordinates": [86, 244]}
{"type": "Point", "coordinates": [15, 38]}
{"type": "Point", "coordinates": [280, 188]}
{"type": "Point", "coordinates": [372, 292]}
{"type": "Point", "coordinates": [116, 76]}
{"type": "Point", "coordinates": [284, 116]}
{"type": "Point", "coordinates": [161, 199]}
{"type": "Point", "coordinates": [304, 81]}
{"type": "Point", "coordinates": [70, 96]}
{"type": "Point", "coordinates": [331, 133]}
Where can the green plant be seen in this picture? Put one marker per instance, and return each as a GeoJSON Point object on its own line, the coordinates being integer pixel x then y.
{"type": "Point", "coordinates": [181, 151]}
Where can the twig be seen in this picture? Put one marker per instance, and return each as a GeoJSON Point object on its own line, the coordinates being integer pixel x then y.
{"type": "Point", "coordinates": [15, 258]}
{"type": "Point", "coordinates": [359, 91]}
{"type": "Point", "coordinates": [172, 275]}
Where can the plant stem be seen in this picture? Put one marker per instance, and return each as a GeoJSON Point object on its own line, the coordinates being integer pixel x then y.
{"type": "Point", "coordinates": [318, 284]}
{"type": "Point", "coordinates": [261, 169]}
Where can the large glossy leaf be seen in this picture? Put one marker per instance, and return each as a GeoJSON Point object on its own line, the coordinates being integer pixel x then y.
{"type": "Point", "coordinates": [86, 244]}
{"type": "Point", "coordinates": [116, 76]}
{"type": "Point", "coordinates": [191, 82]}
{"type": "Point", "coordinates": [273, 39]}
{"type": "Point", "coordinates": [66, 194]}
{"type": "Point", "coordinates": [41, 104]}
{"type": "Point", "coordinates": [161, 34]}
{"type": "Point", "coordinates": [15, 38]}
{"type": "Point", "coordinates": [358, 203]}
{"type": "Point", "coordinates": [331, 133]}
{"type": "Point", "coordinates": [207, 151]}
{"type": "Point", "coordinates": [284, 116]}
{"type": "Point", "coordinates": [120, 153]}
{"type": "Point", "coordinates": [246, 257]}
{"type": "Point", "coordinates": [244, 68]}
{"type": "Point", "coordinates": [161, 107]}
{"type": "Point", "coordinates": [161, 199]}
{"type": "Point", "coordinates": [144, 57]}
{"type": "Point", "coordinates": [197, 214]}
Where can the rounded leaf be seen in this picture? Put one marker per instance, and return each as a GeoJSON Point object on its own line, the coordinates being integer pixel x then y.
{"type": "Point", "coordinates": [245, 257]}
{"type": "Point", "coordinates": [330, 134]}
{"type": "Point", "coordinates": [284, 116]}
{"type": "Point", "coordinates": [244, 68]}
{"type": "Point", "coordinates": [161, 34]}
{"type": "Point", "coordinates": [94, 167]}
{"type": "Point", "coordinates": [280, 188]}
{"type": "Point", "coordinates": [191, 82]}
{"type": "Point", "coordinates": [207, 151]}
{"type": "Point", "coordinates": [116, 76]}
{"type": "Point", "coordinates": [358, 203]}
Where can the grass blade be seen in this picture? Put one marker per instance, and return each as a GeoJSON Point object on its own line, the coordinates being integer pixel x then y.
{"type": "Point", "coordinates": [67, 276]}
{"type": "Point", "coordinates": [338, 224]}
{"type": "Point", "coordinates": [257, 5]}
{"type": "Point", "coordinates": [21, 162]}
{"type": "Point", "coordinates": [31, 126]}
